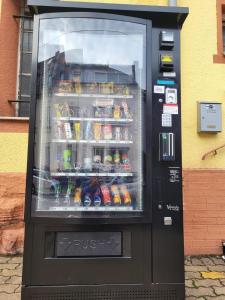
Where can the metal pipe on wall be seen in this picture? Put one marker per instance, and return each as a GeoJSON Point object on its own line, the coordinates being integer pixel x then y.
{"type": "Point", "coordinates": [172, 2]}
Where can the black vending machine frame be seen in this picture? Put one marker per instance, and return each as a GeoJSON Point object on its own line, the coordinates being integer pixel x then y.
{"type": "Point", "coordinates": [151, 258]}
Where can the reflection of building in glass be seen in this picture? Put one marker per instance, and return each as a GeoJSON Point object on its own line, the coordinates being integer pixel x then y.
{"type": "Point", "coordinates": [78, 78]}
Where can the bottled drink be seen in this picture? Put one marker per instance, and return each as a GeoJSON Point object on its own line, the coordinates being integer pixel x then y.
{"type": "Point", "coordinates": [67, 159]}
{"type": "Point", "coordinates": [77, 197]}
{"type": "Point", "coordinates": [125, 194]}
{"type": "Point", "coordinates": [87, 199]}
{"type": "Point", "coordinates": [97, 198]}
{"type": "Point", "coordinates": [116, 195]}
{"type": "Point", "coordinates": [106, 195]}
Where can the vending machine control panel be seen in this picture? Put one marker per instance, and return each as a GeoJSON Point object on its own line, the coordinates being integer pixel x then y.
{"type": "Point", "coordinates": [166, 62]}
{"type": "Point", "coordinates": [166, 40]}
{"type": "Point", "coordinates": [166, 146]}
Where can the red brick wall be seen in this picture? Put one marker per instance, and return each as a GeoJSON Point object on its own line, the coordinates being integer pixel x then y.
{"type": "Point", "coordinates": [9, 32]}
{"type": "Point", "coordinates": [204, 211]}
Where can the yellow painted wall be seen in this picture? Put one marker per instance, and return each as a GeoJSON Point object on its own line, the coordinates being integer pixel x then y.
{"type": "Point", "coordinates": [201, 80]}
{"type": "Point", "coordinates": [13, 152]}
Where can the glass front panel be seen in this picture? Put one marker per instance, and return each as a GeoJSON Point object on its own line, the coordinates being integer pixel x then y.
{"type": "Point", "coordinates": [88, 135]}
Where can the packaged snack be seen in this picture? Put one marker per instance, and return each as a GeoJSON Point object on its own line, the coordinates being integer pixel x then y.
{"type": "Point", "coordinates": [125, 194]}
{"type": "Point", "coordinates": [88, 133]}
{"type": "Point", "coordinates": [59, 130]}
{"type": "Point", "coordinates": [97, 131]}
{"type": "Point", "coordinates": [65, 86]}
{"type": "Point", "coordinates": [126, 110]}
{"type": "Point", "coordinates": [88, 164]}
{"type": "Point", "coordinates": [126, 133]}
{"type": "Point", "coordinates": [117, 133]}
{"type": "Point", "coordinates": [107, 88]}
{"type": "Point", "coordinates": [77, 131]}
{"type": "Point", "coordinates": [117, 112]}
{"type": "Point", "coordinates": [107, 130]}
{"type": "Point", "coordinates": [58, 110]}
{"type": "Point", "coordinates": [68, 131]}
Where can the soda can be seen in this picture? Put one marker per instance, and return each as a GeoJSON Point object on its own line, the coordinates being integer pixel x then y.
{"type": "Point", "coordinates": [126, 134]}
{"type": "Point", "coordinates": [125, 194]}
{"type": "Point", "coordinates": [116, 195]}
{"type": "Point", "coordinates": [117, 133]}
{"type": "Point", "coordinates": [77, 131]}
{"type": "Point", "coordinates": [97, 131]}
{"type": "Point", "coordinates": [77, 197]}
{"type": "Point", "coordinates": [97, 198]}
{"type": "Point", "coordinates": [68, 131]}
{"type": "Point", "coordinates": [88, 130]}
{"type": "Point", "coordinates": [67, 159]}
{"type": "Point", "coordinates": [107, 129]}
{"type": "Point", "coordinates": [106, 195]}
{"type": "Point", "coordinates": [87, 199]}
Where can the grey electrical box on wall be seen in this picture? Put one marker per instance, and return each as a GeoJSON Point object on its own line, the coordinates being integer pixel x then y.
{"type": "Point", "coordinates": [209, 117]}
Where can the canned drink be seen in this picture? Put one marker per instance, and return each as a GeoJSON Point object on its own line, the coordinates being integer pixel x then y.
{"type": "Point", "coordinates": [97, 131]}
{"type": "Point", "coordinates": [77, 197]}
{"type": "Point", "coordinates": [106, 195]}
{"type": "Point", "coordinates": [67, 159]}
{"type": "Point", "coordinates": [88, 130]}
{"type": "Point", "coordinates": [116, 195]}
{"type": "Point", "coordinates": [125, 194]}
{"type": "Point", "coordinates": [77, 131]}
{"type": "Point", "coordinates": [68, 131]}
{"type": "Point", "coordinates": [126, 134]}
{"type": "Point", "coordinates": [107, 132]}
{"type": "Point", "coordinates": [117, 133]}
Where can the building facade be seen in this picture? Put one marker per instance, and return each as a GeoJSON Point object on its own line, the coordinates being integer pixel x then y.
{"type": "Point", "coordinates": [203, 75]}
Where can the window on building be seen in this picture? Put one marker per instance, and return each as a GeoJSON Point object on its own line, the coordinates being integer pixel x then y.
{"type": "Point", "coordinates": [25, 60]}
{"type": "Point", "coordinates": [220, 56]}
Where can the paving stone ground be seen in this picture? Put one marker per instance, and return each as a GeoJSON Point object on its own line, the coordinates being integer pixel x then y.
{"type": "Point", "coordinates": [205, 278]}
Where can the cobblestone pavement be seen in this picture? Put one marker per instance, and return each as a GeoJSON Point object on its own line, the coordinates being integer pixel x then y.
{"type": "Point", "coordinates": [205, 278]}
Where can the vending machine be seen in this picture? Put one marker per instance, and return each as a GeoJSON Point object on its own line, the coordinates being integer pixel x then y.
{"type": "Point", "coordinates": [103, 217]}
